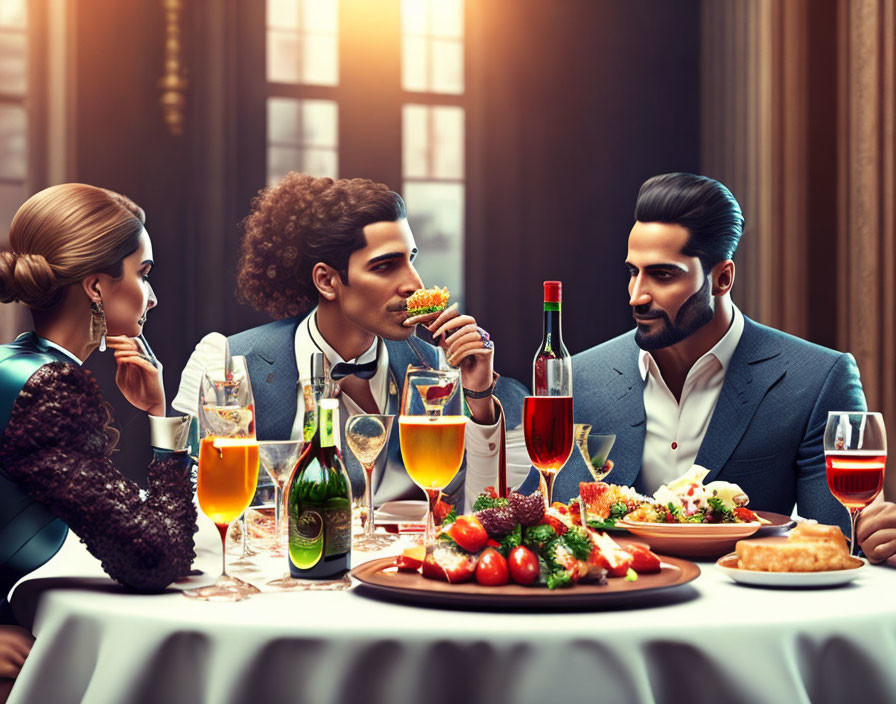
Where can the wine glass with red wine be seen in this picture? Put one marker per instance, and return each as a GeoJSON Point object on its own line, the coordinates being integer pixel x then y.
{"type": "Point", "coordinates": [855, 453]}
{"type": "Point", "coordinates": [547, 414]}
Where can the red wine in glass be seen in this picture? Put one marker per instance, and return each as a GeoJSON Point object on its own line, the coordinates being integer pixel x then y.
{"type": "Point", "coordinates": [855, 478]}
{"type": "Point", "coordinates": [547, 423]}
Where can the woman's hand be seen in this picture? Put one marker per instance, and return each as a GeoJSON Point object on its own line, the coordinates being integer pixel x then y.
{"type": "Point", "coordinates": [469, 347]}
{"type": "Point", "coordinates": [15, 644]}
{"type": "Point", "coordinates": [138, 379]}
{"type": "Point", "coordinates": [876, 531]}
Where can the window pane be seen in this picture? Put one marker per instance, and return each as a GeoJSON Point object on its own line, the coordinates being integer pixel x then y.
{"type": "Point", "coordinates": [302, 122]}
{"type": "Point", "coordinates": [415, 141]}
{"type": "Point", "coordinates": [447, 66]}
{"type": "Point", "coordinates": [13, 14]}
{"type": "Point", "coordinates": [13, 132]}
{"type": "Point", "coordinates": [436, 215]}
{"type": "Point", "coordinates": [283, 14]}
{"type": "Point", "coordinates": [414, 64]}
{"type": "Point", "coordinates": [321, 61]}
{"type": "Point", "coordinates": [413, 17]}
{"type": "Point", "coordinates": [446, 18]}
{"type": "Point", "coordinates": [13, 50]}
{"type": "Point", "coordinates": [284, 57]}
{"type": "Point", "coordinates": [320, 16]}
{"type": "Point", "coordinates": [448, 149]}
{"type": "Point", "coordinates": [317, 162]}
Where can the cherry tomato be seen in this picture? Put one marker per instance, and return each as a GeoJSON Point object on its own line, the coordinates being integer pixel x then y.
{"type": "Point", "coordinates": [523, 565]}
{"type": "Point", "coordinates": [491, 570]}
{"type": "Point", "coordinates": [468, 532]}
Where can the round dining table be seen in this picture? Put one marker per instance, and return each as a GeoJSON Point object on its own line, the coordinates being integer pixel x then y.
{"type": "Point", "coordinates": [711, 640]}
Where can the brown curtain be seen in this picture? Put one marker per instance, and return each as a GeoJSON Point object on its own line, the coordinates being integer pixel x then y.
{"type": "Point", "coordinates": [798, 106]}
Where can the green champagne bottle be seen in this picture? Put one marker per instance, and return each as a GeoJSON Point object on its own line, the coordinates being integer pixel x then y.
{"type": "Point", "coordinates": [320, 505]}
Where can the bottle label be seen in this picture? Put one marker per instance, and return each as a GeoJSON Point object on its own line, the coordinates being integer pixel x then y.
{"type": "Point", "coordinates": [306, 540]}
{"type": "Point", "coordinates": [337, 528]}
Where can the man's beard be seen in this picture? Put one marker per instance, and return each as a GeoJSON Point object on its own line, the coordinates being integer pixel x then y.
{"type": "Point", "coordinates": [694, 313]}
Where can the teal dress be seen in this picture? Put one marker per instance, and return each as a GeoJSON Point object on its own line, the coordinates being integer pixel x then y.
{"type": "Point", "coordinates": [30, 533]}
{"type": "Point", "coordinates": [56, 473]}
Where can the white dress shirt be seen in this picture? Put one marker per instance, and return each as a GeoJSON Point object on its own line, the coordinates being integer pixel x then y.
{"type": "Point", "coordinates": [675, 429]}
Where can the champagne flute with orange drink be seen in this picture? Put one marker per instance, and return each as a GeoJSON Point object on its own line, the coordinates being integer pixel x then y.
{"type": "Point", "coordinates": [228, 463]}
{"type": "Point", "coordinates": [855, 453]}
{"type": "Point", "coordinates": [431, 429]}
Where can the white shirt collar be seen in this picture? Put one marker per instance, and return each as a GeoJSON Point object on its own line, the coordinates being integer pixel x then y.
{"type": "Point", "coordinates": [723, 350]}
{"type": "Point", "coordinates": [309, 340]}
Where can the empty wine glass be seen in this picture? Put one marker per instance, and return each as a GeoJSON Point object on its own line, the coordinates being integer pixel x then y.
{"type": "Point", "coordinates": [279, 458]}
{"type": "Point", "coordinates": [367, 434]}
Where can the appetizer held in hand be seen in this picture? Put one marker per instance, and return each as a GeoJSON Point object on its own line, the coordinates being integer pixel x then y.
{"type": "Point", "coordinates": [427, 300]}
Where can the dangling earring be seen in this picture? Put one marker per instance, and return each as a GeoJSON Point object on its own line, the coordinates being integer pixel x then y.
{"type": "Point", "coordinates": [98, 323]}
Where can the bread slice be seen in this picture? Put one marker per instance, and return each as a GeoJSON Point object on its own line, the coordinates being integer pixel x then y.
{"type": "Point", "coordinates": [807, 548]}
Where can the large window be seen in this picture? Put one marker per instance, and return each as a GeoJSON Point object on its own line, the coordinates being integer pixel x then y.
{"type": "Point", "coordinates": [302, 74]}
{"type": "Point", "coordinates": [433, 136]}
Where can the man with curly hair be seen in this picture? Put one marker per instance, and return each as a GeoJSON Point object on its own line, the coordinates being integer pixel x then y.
{"type": "Point", "coordinates": [333, 262]}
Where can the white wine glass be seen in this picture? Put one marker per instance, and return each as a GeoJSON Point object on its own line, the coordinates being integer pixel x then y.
{"type": "Point", "coordinates": [367, 435]}
{"type": "Point", "coordinates": [279, 458]}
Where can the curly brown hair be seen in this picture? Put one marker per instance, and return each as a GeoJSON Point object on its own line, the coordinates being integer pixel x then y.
{"type": "Point", "coordinates": [299, 222]}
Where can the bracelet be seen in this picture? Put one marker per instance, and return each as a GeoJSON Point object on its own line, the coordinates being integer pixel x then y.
{"type": "Point", "coordinates": [486, 392]}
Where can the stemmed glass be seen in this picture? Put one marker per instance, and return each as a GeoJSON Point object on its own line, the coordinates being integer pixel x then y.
{"type": "Point", "coordinates": [547, 421]}
{"type": "Point", "coordinates": [431, 429]}
{"type": "Point", "coordinates": [855, 453]}
{"type": "Point", "coordinates": [228, 464]}
{"type": "Point", "coordinates": [367, 434]}
{"type": "Point", "coordinates": [279, 457]}
{"type": "Point", "coordinates": [594, 448]}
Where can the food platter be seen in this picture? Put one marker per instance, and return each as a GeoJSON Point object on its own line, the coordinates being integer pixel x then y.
{"type": "Point", "coordinates": [384, 580]}
{"type": "Point", "coordinates": [790, 580]}
{"type": "Point", "coordinates": [777, 523]}
{"type": "Point", "coordinates": [701, 540]}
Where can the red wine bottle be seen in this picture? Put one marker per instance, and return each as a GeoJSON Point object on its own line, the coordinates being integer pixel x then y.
{"type": "Point", "coordinates": [552, 368]}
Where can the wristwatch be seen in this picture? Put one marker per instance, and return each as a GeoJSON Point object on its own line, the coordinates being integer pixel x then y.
{"type": "Point", "coordinates": [486, 392]}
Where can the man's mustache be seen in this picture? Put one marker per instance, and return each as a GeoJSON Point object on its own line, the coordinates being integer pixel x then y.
{"type": "Point", "coordinates": [397, 307]}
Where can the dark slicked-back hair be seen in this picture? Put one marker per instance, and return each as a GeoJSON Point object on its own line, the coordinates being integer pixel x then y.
{"type": "Point", "coordinates": [702, 205]}
{"type": "Point", "coordinates": [299, 222]}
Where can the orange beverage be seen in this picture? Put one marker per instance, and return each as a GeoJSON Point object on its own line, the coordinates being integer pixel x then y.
{"type": "Point", "coordinates": [432, 448]}
{"type": "Point", "coordinates": [228, 476]}
{"type": "Point", "coordinates": [855, 477]}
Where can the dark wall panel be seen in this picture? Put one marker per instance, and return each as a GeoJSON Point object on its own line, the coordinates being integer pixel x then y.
{"type": "Point", "coordinates": [576, 104]}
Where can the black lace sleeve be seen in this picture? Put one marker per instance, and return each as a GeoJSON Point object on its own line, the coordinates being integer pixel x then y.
{"type": "Point", "coordinates": [56, 447]}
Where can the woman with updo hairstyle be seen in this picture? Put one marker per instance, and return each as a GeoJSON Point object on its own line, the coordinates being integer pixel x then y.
{"type": "Point", "coordinates": [79, 258]}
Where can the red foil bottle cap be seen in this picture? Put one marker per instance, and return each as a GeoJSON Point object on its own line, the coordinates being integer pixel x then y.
{"type": "Point", "coordinates": [553, 292]}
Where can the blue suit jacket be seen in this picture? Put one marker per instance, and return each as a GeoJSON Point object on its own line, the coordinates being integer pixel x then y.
{"type": "Point", "coordinates": [270, 356]}
{"type": "Point", "coordinates": [766, 433]}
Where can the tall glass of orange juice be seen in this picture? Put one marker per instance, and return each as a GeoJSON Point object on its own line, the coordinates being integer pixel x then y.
{"type": "Point", "coordinates": [431, 431]}
{"type": "Point", "coordinates": [228, 463]}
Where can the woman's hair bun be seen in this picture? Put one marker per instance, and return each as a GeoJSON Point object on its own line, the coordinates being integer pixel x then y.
{"type": "Point", "coordinates": [27, 278]}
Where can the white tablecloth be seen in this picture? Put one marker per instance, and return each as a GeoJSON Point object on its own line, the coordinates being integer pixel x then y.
{"type": "Point", "coordinates": [711, 641]}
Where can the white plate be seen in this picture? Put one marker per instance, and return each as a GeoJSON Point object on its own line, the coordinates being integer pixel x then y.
{"type": "Point", "coordinates": [409, 511]}
{"type": "Point", "coordinates": [789, 579]}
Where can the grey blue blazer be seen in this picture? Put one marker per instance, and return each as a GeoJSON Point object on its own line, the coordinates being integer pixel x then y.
{"type": "Point", "coordinates": [765, 433]}
{"type": "Point", "coordinates": [270, 355]}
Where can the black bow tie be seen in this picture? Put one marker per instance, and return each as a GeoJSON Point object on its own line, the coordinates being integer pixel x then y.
{"type": "Point", "coordinates": [362, 371]}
